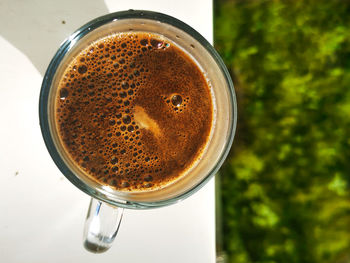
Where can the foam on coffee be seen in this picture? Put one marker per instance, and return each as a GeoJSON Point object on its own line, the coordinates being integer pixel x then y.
{"type": "Point", "coordinates": [134, 111]}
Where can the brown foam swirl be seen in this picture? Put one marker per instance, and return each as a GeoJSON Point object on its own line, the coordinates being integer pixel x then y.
{"type": "Point", "coordinates": [134, 111]}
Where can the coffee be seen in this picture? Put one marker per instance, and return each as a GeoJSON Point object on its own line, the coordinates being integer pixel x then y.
{"type": "Point", "coordinates": [134, 111]}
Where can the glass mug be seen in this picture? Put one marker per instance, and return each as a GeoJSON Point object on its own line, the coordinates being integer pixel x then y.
{"type": "Point", "coordinates": [106, 206]}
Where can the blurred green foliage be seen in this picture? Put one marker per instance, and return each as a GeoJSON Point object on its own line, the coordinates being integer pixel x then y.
{"type": "Point", "coordinates": [285, 185]}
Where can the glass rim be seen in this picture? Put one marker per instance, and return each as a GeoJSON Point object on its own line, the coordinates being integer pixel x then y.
{"type": "Point", "coordinates": [68, 43]}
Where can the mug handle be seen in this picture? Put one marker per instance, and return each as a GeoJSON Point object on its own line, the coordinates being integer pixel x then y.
{"type": "Point", "coordinates": [101, 226]}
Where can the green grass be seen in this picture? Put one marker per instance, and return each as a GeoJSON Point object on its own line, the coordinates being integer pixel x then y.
{"type": "Point", "coordinates": [285, 185]}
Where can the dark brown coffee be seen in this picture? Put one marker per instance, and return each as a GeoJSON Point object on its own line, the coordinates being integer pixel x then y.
{"type": "Point", "coordinates": [134, 111]}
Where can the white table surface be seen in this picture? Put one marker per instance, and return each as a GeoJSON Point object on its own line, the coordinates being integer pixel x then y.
{"type": "Point", "coordinates": [42, 213]}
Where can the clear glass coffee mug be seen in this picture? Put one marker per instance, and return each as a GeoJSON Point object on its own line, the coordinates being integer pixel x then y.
{"type": "Point", "coordinates": [106, 206]}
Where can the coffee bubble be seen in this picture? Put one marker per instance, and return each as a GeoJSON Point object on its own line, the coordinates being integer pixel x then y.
{"type": "Point", "coordinates": [148, 178]}
{"type": "Point", "coordinates": [176, 100]}
{"type": "Point", "coordinates": [125, 184]}
{"type": "Point", "coordinates": [157, 43]}
{"type": "Point", "coordinates": [63, 93]}
{"type": "Point", "coordinates": [144, 42]}
{"type": "Point", "coordinates": [126, 119]}
{"type": "Point", "coordinates": [82, 69]}
{"type": "Point", "coordinates": [123, 94]}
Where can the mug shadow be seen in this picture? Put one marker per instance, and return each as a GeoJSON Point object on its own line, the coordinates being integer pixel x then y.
{"type": "Point", "coordinates": [37, 28]}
